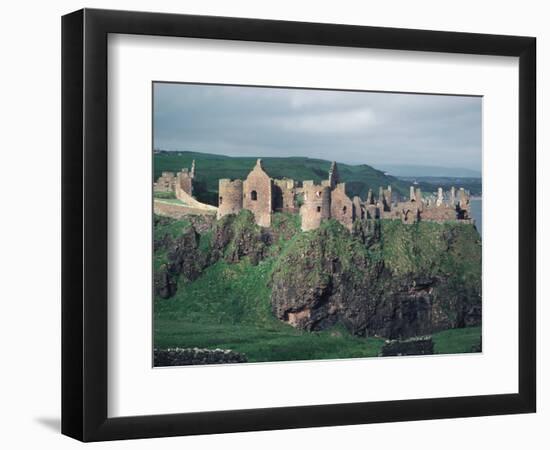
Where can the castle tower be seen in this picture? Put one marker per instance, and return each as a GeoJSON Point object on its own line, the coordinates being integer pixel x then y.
{"type": "Point", "coordinates": [258, 194]}
{"type": "Point", "coordinates": [316, 205]}
{"type": "Point", "coordinates": [230, 197]}
{"type": "Point", "coordinates": [193, 169]}
{"type": "Point", "coordinates": [453, 196]}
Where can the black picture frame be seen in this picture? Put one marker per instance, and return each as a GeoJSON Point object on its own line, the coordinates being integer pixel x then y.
{"type": "Point", "coordinates": [84, 224]}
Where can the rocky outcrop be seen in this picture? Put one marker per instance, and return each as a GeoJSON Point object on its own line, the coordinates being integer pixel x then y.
{"type": "Point", "coordinates": [320, 281]}
{"type": "Point", "coordinates": [237, 236]}
{"type": "Point", "coordinates": [409, 285]}
{"type": "Point", "coordinates": [183, 258]}
{"type": "Point", "coordinates": [193, 356]}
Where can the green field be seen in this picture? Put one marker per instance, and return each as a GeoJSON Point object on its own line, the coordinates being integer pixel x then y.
{"type": "Point", "coordinates": [210, 168]}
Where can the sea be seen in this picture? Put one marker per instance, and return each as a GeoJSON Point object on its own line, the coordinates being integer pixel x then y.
{"type": "Point", "coordinates": [475, 210]}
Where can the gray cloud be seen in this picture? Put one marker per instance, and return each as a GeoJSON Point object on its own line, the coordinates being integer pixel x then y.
{"type": "Point", "coordinates": [352, 127]}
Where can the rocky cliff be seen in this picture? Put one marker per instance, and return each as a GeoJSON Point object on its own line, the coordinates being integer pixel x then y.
{"type": "Point", "coordinates": [383, 278]}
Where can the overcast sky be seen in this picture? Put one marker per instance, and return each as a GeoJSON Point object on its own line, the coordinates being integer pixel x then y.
{"type": "Point", "coordinates": [350, 127]}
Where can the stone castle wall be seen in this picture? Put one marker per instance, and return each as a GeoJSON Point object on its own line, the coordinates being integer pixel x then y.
{"type": "Point", "coordinates": [179, 183]}
{"type": "Point", "coordinates": [230, 197]}
{"type": "Point", "coordinates": [441, 213]}
{"type": "Point", "coordinates": [184, 182]}
{"type": "Point", "coordinates": [165, 183]}
{"type": "Point", "coordinates": [341, 207]}
{"type": "Point", "coordinates": [284, 196]}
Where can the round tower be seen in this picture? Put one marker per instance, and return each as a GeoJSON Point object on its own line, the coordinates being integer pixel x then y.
{"type": "Point", "coordinates": [230, 197]}
{"type": "Point", "coordinates": [316, 206]}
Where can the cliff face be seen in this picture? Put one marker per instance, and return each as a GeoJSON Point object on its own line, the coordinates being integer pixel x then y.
{"type": "Point", "coordinates": [385, 279]}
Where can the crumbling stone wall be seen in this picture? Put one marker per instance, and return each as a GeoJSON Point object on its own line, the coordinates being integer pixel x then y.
{"type": "Point", "coordinates": [180, 183]}
{"type": "Point", "coordinates": [195, 356]}
{"type": "Point", "coordinates": [284, 195]}
{"type": "Point", "coordinates": [408, 212]}
{"type": "Point", "coordinates": [421, 345]}
{"type": "Point", "coordinates": [359, 209]}
{"type": "Point", "coordinates": [341, 207]}
{"type": "Point", "coordinates": [184, 182]}
{"type": "Point", "coordinates": [441, 213]}
{"type": "Point", "coordinates": [384, 199]}
{"type": "Point", "coordinates": [258, 195]}
{"type": "Point", "coordinates": [230, 197]}
{"type": "Point", "coordinates": [165, 183]}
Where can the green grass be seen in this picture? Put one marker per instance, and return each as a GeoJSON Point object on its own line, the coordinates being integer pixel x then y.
{"type": "Point", "coordinates": [164, 195]}
{"type": "Point", "coordinates": [431, 248]}
{"type": "Point", "coordinates": [458, 340]}
{"type": "Point", "coordinates": [171, 227]}
{"type": "Point", "coordinates": [270, 342]}
{"type": "Point", "coordinates": [229, 307]}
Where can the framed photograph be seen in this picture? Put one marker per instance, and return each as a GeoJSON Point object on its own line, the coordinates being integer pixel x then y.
{"type": "Point", "coordinates": [272, 224]}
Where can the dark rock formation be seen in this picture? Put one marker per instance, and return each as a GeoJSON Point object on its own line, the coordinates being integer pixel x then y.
{"type": "Point", "coordinates": [422, 345]}
{"type": "Point", "coordinates": [238, 236]}
{"type": "Point", "coordinates": [380, 283]}
{"type": "Point", "coordinates": [183, 258]}
{"type": "Point", "coordinates": [192, 356]}
{"type": "Point", "coordinates": [322, 281]}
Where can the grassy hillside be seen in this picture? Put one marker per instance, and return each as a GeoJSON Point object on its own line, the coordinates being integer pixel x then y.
{"type": "Point", "coordinates": [210, 168]}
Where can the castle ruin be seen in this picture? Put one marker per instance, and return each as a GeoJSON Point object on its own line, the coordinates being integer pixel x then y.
{"type": "Point", "coordinates": [263, 196]}
{"type": "Point", "coordinates": [181, 183]}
